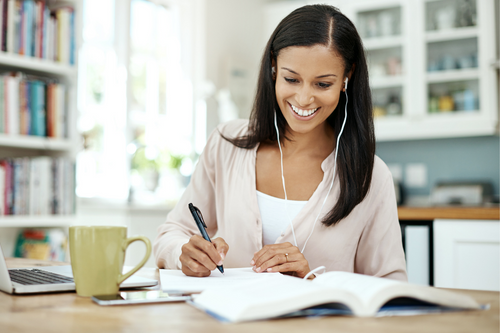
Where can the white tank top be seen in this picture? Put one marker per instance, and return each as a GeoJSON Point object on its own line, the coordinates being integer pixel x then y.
{"type": "Point", "coordinates": [274, 217]}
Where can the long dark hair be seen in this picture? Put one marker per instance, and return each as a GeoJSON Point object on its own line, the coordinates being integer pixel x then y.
{"type": "Point", "coordinates": [325, 25]}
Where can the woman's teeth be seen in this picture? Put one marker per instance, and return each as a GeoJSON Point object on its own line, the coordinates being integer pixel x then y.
{"type": "Point", "coordinates": [303, 113]}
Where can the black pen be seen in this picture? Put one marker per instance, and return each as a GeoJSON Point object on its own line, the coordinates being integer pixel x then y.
{"type": "Point", "coordinates": [198, 218]}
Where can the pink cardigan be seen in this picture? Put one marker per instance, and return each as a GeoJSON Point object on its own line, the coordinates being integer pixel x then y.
{"type": "Point", "coordinates": [368, 241]}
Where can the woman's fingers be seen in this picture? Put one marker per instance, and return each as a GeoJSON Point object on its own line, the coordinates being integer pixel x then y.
{"type": "Point", "coordinates": [277, 259]}
{"type": "Point", "coordinates": [270, 251]}
{"type": "Point", "coordinates": [207, 248]}
{"type": "Point", "coordinates": [200, 256]}
{"type": "Point", "coordinates": [191, 267]}
{"type": "Point", "coordinates": [284, 258]}
{"type": "Point", "coordinates": [221, 247]}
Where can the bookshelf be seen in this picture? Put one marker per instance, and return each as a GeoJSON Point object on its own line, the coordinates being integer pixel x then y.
{"type": "Point", "coordinates": [41, 66]}
{"type": "Point", "coordinates": [14, 145]}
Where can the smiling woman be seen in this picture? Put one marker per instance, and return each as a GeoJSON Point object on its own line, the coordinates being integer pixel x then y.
{"type": "Point", "coordinates": [307, 154]}
{"type": "Point", "coordinates": [307, 87]}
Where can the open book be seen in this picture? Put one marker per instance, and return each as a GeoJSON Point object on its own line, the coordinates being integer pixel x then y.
{"type": "Point", "coordinates": [339, 293]}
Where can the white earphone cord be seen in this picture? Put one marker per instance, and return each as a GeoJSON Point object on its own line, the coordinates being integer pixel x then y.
{"type": "Point", "coordinates": [333, 176]}
{"type": "Point", "coordinates": [283, 177]}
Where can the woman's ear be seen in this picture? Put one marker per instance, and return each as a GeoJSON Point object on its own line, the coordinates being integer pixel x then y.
{"type": "Point", "coordinates": [273, 68]}
{"type": "Point", "coordinates": [353, 67]}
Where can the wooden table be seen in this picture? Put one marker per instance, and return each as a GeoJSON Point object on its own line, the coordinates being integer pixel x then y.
{"type": "Point", "coordinates": [450, 212]}
{"type": "Point", "coordinates": [67, 312]}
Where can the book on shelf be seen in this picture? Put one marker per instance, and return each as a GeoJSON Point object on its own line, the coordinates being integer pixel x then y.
{"type": "Point", "coordinates": [12, 110]}
{"type": "Point", "coordinates": [331, 293]}
{"type": "Point", "coordinates": [31, 105]}
{"type": "Point", "coordinates": [35, 29]}
{"type": "Point", "coordinates": [37, 186]}
{"type": "Point", "coordinates": [2, 189]}
{"type": "Point", "coordinates": [2, 106]}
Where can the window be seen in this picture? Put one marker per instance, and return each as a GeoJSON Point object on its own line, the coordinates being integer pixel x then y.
{"type": "Point", "coordinates": [136, 100]}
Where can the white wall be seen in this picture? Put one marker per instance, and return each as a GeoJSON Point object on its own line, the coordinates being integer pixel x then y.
{"type": "Point", "coordinates": [140, 221]}
{"type": "Point", "coordinates": [233, 50]}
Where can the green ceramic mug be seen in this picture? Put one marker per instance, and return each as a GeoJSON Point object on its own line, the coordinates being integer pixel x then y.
{"type": "Point", "coordinates": [97, 256]}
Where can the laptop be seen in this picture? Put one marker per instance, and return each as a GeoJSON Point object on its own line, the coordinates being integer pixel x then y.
{"type": "Point", "coordinates": [46, 279]}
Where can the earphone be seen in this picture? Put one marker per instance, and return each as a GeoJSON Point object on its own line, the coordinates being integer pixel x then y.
{"type": "Point", "coordinates": [333, 176]}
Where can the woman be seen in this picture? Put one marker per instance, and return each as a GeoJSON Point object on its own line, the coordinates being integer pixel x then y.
{"type": "Point", "coordinates": [299, 185]}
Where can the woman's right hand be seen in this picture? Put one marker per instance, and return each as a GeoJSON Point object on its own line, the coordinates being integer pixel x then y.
{"type": "Point", "coordinates": [199, 257]}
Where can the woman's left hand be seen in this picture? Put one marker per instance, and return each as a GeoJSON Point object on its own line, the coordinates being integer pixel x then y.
{"type": "Point", "coordinates": [283, 258]}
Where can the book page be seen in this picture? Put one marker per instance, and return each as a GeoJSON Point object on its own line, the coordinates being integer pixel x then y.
{"type": "Point", "coordinates": [176, 280]}
{"type": "Point", "coordinates": [364, 286]}
{"type": "Point", "coordinates": [374, 292]}
{"type": "Point", "coordinates": [277, 296]}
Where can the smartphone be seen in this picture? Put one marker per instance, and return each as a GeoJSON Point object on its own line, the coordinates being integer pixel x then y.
{"type": "Point", "coordinates": [139, 297]}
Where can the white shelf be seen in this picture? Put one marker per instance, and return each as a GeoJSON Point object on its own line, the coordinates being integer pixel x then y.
{"type": "Point", "coordinates": [34, 142]}
{"type": "Point", "coordinates": [451, 34]}
{"type": "Point", "coordinates": [386, 82]}
{"type": "Point", "coordinates": [32, 221]}
{"type": "Point", "coordinates": [36, 64]}
{"type": "Point", "coordinates": [382, 42]}
{"type": "Point", "coordinates": [454, 114]}
{"type": "Point", "coordinates": [453, 75]}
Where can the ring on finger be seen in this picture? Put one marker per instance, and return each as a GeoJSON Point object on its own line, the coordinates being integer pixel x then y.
{"type": "Point", "coordinates": [286, 257]}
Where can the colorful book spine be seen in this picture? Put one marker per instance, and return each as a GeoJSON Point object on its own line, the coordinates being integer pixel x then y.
{"type": "Point", "coordinates": [60, 111]}
{"type": "Point", "coordinates": [37, 186]}
{"type": "Point", "coordinates": [18, 13]}
{"type": "Point", "coordinates": [29, 27]}
{"type": "Point", "coordinates": [50, 110]}
{"type": "Point", "coordinates": [5, 11]}
{"type": "Point", "coordinates": [13, 111]}
{"type": "Point", "coordinates": [72, 39]}
{"type": "Point", "coordinates": [25, 107]}
{"type": "Point", "coordinates": [37, 102]}
{"type": "Point", "coordinates": [2, 188]}
{"type": "Point", "coordinates": [45, 32]}
{"type": "Point", "coordinates": [8, 193]}
{"type": "Point", "coordinates": [3, 16]}
{"type": "Point", "coordinates": [32, 106]}
{"type": "Point", "coordinates": [11, 5]}
{"type": "Point", "coordinates": [2, 105]}
{"type": "Point", "coordinates": [22, 28]}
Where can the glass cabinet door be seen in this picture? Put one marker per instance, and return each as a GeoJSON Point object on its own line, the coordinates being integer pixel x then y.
{"type": "Point", "coordinates": [430, 66]}
{"type": "Point", "coordinates": [381, 32]}
{"type": "Point", "coordinates": [452, 80]}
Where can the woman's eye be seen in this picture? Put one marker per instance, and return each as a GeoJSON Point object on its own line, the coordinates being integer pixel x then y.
{"type": "Point", "coordinates": [324, 85]}
{"type": "Point", "coordinates": [290, 80]}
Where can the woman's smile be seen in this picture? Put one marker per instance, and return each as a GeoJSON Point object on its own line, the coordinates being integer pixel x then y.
{"type": "Point", "coordinates": [302, 114]}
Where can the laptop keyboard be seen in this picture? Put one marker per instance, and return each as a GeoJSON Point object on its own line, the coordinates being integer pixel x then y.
{"type": "Point", "coordinates": [37, 276]}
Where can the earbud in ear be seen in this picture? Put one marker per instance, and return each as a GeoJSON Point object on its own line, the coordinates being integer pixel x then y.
{"type": "Point", "coordinates": [345, 81]}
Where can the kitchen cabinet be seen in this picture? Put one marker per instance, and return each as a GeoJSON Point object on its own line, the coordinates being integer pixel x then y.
{"type": "Point", "coordinates": [436, 240]}
{"type": "Point", "coordinates": [467, 254]}
{"type": "Point", "coordinates": [431, 64]}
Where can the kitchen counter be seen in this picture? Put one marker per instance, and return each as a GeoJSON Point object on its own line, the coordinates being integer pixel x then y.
{"type": "Point", "coordinates": [431, 213]}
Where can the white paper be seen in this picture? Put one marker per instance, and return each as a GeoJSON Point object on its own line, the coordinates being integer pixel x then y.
{"type": "Point", "coordinates": [175, 280]}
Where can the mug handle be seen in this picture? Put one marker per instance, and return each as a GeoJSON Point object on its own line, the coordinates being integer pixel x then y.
{"type": "Point", "coordinates": [126, 243]}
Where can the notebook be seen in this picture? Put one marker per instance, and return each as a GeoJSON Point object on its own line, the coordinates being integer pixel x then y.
{"type": "Point", "coordinates": [45, 279]}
